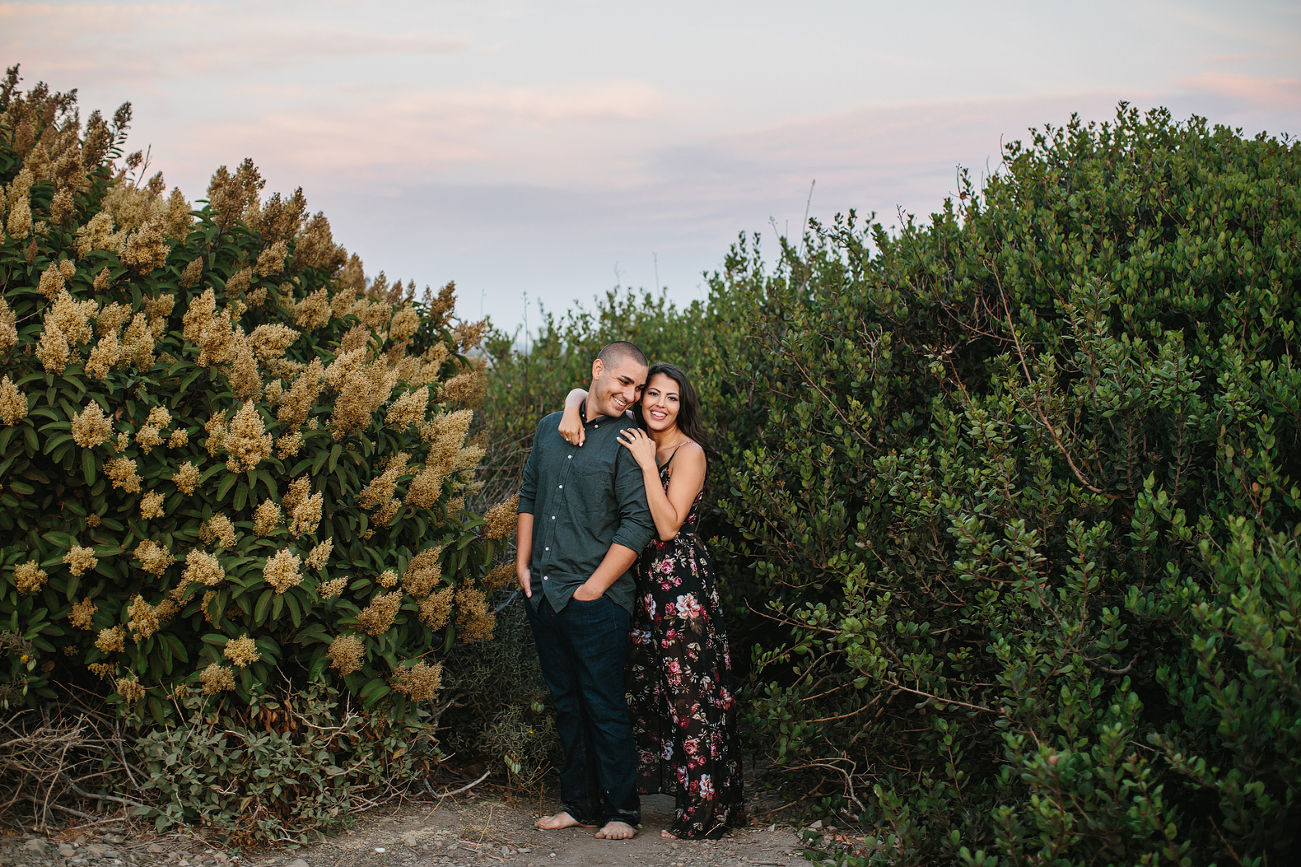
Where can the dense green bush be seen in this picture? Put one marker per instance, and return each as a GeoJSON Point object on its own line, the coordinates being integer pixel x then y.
{"type": "Point", "coordinates": [230, 464]}
{"type": "Point", "coordinates": [1024, 484]}
{"type": "Point", "coordinates": [1021, 480]}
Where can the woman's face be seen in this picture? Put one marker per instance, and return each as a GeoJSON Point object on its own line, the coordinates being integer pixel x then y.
{"type": "Point", "coordinates": [660, 403]}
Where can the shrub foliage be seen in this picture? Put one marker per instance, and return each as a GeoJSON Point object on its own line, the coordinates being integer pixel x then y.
{"type": "Point", "coordinates": [230, 463]}
{"type": "Point", "coordinates": [1021, 484]}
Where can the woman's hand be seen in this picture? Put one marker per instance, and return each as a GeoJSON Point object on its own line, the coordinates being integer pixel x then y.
{"type": "Point", "coordinates": [571, 426]}
{"type": "Point", "coordinates": [642, 447]}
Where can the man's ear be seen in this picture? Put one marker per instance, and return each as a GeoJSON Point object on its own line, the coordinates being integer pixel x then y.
{"type": "Point", "coordinates": [597, 367]}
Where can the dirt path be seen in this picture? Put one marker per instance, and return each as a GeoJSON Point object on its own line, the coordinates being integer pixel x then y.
{"type": "Point", "coordinates": [487, 829]}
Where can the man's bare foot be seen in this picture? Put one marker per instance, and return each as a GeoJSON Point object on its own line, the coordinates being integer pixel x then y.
{"type": "Point", "coordinates": [668, 835]}
{"type": "Point", "coordinates": [616, 830]}
{"type": "Point", "coordinates": [558, 821]}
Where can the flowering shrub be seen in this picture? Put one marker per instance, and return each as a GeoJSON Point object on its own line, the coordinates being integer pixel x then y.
{"type": "Point", "coordinates": [230, 464]}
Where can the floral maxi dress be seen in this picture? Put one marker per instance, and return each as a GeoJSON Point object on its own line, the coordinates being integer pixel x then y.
{"type": "Point", "coordinates": [683, 708]}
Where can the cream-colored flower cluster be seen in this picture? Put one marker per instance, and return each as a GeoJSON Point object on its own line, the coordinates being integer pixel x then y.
{"type": "Point", "coordinates": [320, 555]}
{"type": "Point", "coordinates": [151, 505]}
{"type": "Point", "coordinates": [297, 403]}
{"type": "Point", "coordinates": [29, 577]}
{"type": "Point", "coordinates": [219, 530]}
{"type": "Point", "coordinates": [408, 409]}
{"type": "Point", "coordinates": [202, 568]}
{"type": "Point", "coordinates": [217, 678]}
{"type": "Point", "coordinates": [111, 639]}
{"type": "Point", "coordinates": [150, 433]}
{"type": "Point", "coordinates": [13, 403]}
{"type": "Point", "coordinates": [82, 614]}
{"type": "Point", "coordinates": [381, 488]}
{"type": "Point", "coordinates": [8, 328]}
{"type": "Point", "coordinates": [420, 682]}
{"type": "Point", "coordinates": [333, 587]}
{"type": "Point", "coordinates": [346, 652]}
{"type": "Point", "coordinates": [154, 558]}
{"type": "Point", "coordinates": [436, 608]}
{"type": "Point", "coordinates": [307, 516]}
{"type": "Point", "coordinates": [247, 442]}
{"type": "Point", "coordinates": [502, 518]}
{"type": "Point", "coordinates": [90, 427]}
{"type": "Point", "coordinates": [80, 560]}
{"type": "Point", "coordinates": [187, 478]}
{"type": "Point", "coordinates": [499, 576]}
{"type": "Point", "coordinates": [122, 472]}
{"type": "Point", "coordinates": [363, 389]}
{"type": "Point", "coordinates": [423, 572]}
{"type": "Point", "coordinates": [242, 651]}
{"type": "Point", "coordinates": [147, 619]}
{"type": "Point", "coordinates": [378, 616]}
{"type": "Point", "coordinates": [130, 689]}
{"type": "Point", "coordinates": [267, 517]}
{"type": "Point", "coordinates": [476, 622]}
{"type": "Point", "coordinates": [281, 570]}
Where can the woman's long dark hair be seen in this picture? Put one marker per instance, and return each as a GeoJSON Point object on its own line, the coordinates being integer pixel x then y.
{"type": "Point", "coordinates": [689, 421]}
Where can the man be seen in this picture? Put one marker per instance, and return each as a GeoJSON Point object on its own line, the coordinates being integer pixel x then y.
{"type": "Point", "coordinates": [582, 520]}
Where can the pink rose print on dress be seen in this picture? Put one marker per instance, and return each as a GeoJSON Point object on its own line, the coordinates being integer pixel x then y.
{"type": "Point", "coordinates": [688, 608]}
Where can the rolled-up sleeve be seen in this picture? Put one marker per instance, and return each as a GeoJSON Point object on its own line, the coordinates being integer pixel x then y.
{"type": "Point", "coordinates": [636, 526]}
{"type": "Point", "coordinates": [529, 487]}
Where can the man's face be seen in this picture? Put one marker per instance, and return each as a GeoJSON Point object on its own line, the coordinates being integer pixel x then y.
{"type": "Point", "coordinates": [617, 387]}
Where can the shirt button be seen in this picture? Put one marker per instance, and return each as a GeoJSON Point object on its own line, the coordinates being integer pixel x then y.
{"type": "Point", "coordinates": [562, 487]}
{"type": "Point", "coordinates": [545, 577]}
{"type": "Point", "coordinates": [571, 457]}
{"type": "Point", "coordinates": [553, 517]}
{"type": "Point", "coordinates": [546, 549]}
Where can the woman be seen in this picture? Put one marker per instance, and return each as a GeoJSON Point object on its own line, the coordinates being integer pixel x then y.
{"type": "Point", "coordinates": [683, 708]}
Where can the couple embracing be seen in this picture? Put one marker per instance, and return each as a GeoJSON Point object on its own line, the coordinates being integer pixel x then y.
{"type": "Point", "coordinates": [619, 590]}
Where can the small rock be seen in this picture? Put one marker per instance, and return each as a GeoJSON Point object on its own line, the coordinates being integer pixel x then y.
{"type": "Point", "coordinates": [37, 845]}
{"type": "Point", "coordinates": [96, 850]}
{"type": "Point", "coordinates": [66, 851]}
{"type": "Point", "coordinates": [114, 839]}
{"type": "Point", "coordinates": [156, 848]}
{"type": "Point", "coordinates": [816, 826]}
{"type": "Point", "coordinates": [297, 862]}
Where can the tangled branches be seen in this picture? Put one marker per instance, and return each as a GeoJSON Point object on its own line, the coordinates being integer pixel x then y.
{"type": "Point", "coordinates": [53, 760]}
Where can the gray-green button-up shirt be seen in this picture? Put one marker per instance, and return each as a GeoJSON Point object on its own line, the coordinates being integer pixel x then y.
{"type": "Point", "coordinates": [583, 500]}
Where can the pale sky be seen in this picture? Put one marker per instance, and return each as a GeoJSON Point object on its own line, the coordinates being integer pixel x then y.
{"type": "Point", "coordinates": [554, 149]}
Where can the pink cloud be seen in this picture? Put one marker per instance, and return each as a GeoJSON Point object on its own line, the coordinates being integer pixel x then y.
{"type": "Point", "coordinates": [1275, 92]}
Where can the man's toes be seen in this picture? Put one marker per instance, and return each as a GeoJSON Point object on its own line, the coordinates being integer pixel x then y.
{"type": "Point", "coordinates": [617, 831]}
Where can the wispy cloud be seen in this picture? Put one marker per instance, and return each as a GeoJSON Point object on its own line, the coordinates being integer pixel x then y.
{"type": "Point", "coordinates": [425, 132]}
{"type": "Point", "coordinates": [1273, 92]}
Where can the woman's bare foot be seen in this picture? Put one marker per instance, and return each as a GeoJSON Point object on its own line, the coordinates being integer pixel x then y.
{"type": "Point", "coordinates": [616, 830]}
{"type": "Point", "coordinates": [668, 835]}
{"type": "Point", "coordinates": [558, 821]}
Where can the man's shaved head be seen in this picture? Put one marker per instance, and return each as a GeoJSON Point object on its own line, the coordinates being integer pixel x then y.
{"type": "Point", "coordinates": [615, 354]}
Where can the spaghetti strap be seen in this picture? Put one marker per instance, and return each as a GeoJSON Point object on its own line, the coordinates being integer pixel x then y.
{"type": "Point", "coordinates": [675, 451]}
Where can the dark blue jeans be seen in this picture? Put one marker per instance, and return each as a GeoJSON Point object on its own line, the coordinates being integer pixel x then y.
{"type": "Point", "coordinates": [581, 649]}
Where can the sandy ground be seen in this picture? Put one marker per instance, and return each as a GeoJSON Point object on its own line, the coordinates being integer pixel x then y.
{"type": "Point", "coordinates": [487, 828]}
